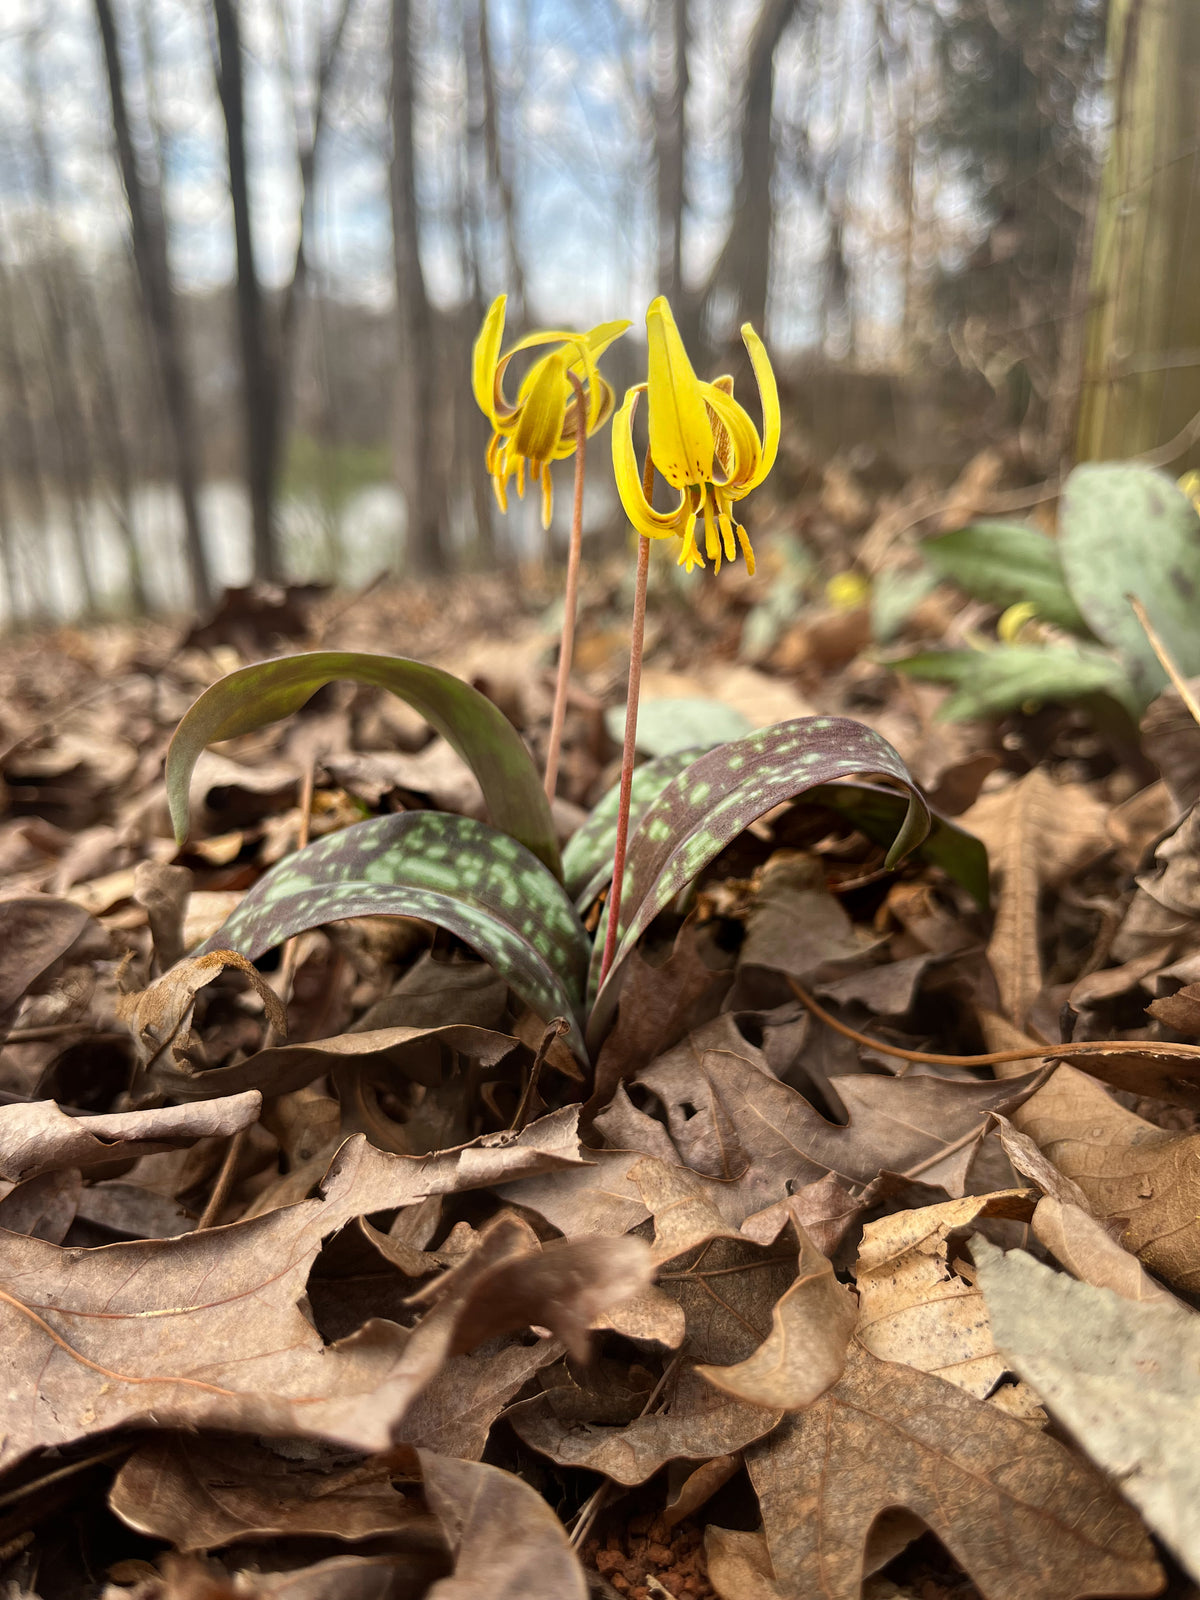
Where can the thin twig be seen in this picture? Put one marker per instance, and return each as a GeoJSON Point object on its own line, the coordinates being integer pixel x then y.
{"type": "Point", "coordinates": [629, 750]}
{"type": "Point", "coordinates": [554, 1030]}
{"type": "Point", "coordinates": [566, 648]}
{"type": "Point", "coordinates": [994, 1058]}
{"type": "Point", "coordinates": [1164, 658]}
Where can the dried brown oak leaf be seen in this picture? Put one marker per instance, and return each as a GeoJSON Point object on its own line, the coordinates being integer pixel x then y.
{"type": "Point", "coordinates": [39, 1137]}
{"type": "Point", "coordinates": [506, 1542]}
{"type": "Point", "coordinates": [160, 1017]}
{"type": "Point", "coordinates": [201, 1493]}
{"type": "Point", "coordinates": [731, 1119]}
{"type": "Point", "coordinates": [1038, 833]}
{"type": "Point", "coordinates": [1090, 1253]}
{"type": "Point", "coordinates": [1131, 1172]}
{"type": "Point", "coordinates": [1026, 1518]}
{"type": "Point", "coordinates": [918, 1309]}
{"type": "Point", "coordinates": [207, 1328]}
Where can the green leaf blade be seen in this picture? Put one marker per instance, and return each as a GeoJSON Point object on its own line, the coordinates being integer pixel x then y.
{"type": "Point", "coordinates": [479, 884]}
{"type": "Point", "coordinates": [993, 682]}
{"type": "Point", "coordinates": [1007, 562]}
{"type": "Point", "coordinates": [479, 731]}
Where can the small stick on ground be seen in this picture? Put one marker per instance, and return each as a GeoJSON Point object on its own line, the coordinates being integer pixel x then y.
{"type": "Point", "coordinates": [1178, 682]}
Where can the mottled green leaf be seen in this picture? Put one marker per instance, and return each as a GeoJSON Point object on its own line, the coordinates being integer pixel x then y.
{"type": "Point", "coordinates": [587, 858]}
{"type": "Point", "coordinates": [1127, 529]}
{"type": "Point", "coordinates": [459, 874]}
{"type": "Point", "coordinates": [717, 796]}
{"type": "Point", "coordinates": [880, 813]}
{"type": "Point", "coordinates": [992, 682]}
{"type": "Point", "coordinates": [480, 733]}
{"type": "Point", "coordinates": [1006, 562]}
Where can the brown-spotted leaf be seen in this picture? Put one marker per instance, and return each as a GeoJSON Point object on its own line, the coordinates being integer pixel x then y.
{"type": "Point", "coordinates": [1027, 1518]}
{"type": "Point", "coordinates": [506, 1542]}
{"type": "Point", "coordinates": [39, 1137]}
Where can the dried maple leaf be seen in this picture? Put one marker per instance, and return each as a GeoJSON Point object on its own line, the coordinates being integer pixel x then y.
{"type": "Point", "coordinates": [1025, 1517]}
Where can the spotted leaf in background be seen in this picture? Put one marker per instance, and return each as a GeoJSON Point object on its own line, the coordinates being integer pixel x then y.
{"type": "Point", "coordinates": [706, 806]}
{"type": "Point", "coordinates": [481, 734]}
{"type": "Point", "coordinates": [461, 875]}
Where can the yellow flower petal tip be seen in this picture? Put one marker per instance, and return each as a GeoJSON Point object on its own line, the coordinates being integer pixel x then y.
{"type": "Point", "coordinates": [1015, 620]}
{"type": "Point", "coordinates": [540, 425]}
{"type": "Point", "coordinates": [846, 591]}
{"type": "Point", "coordinates": [702, 442]}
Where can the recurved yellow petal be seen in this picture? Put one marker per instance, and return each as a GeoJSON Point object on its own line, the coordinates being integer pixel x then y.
{"type": "Point", "coordinates": [769, 395]}
{"type": "Point", "coordinates": [654, 524]}
{"type": "Point", "coordinates": [681, 436]}
{"type": "Point", "coordinates": [486, 355]}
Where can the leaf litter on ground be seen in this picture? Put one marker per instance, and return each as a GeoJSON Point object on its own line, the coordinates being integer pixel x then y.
{"type": "Point", "coordinates": [341, 1275]}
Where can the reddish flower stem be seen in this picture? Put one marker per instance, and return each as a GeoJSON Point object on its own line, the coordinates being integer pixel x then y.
{"type": "Point", "coordinates": [566, 648]}
{"type": "Point", "coordinates": [631, 716]}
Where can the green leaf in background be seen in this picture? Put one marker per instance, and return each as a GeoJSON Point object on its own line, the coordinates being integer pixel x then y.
{"type": "Point", "coordinates": [459, 874]}
{"type": "Point", "coordinates": [894, 598]}
{"type": "Point", "coordinates": [992, 682]}
{"type": "Point", "coordinates": [481, 734]}
{"type": "Point", "coordinates": [1006, 562]}
{"type": "Point", "coordinates": [588, 854]}
{"type": "Point", "coordinates": [879, 813]}
{"type": "Point", "coordinates": [673, 724]}
{"type": "Point", "coordinates": [720, 794]}
{"type": "Point", "coordinates": [1127, 529]}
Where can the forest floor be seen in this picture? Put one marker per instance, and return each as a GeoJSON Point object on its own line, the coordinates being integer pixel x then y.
{"type": "Point", "coordinates": [318, 1279]}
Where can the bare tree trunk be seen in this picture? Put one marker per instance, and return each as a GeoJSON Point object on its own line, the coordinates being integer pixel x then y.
{"type": "Point", "coordinates": [498, 165]}
{"type": "Point", "coordinates": [149, 232]}
{"type": "Point", "coordinates": [1141, 379]}
{"type": "Point", "coordinates": [743, 266]}
{"type": "Point", "coordinates": [260, 390]}
{"type": "Point", "coordinates": [416, 365]}
{"type": "Point", "coordinates": [670, 139]}
{"type": "Point", "coordinates": [26, 477]}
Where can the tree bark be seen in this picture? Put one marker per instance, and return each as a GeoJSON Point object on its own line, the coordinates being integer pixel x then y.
{"type": "Point", "coordinates": [148, 227]}
{"type": "Point", "coordinates": [416, 394]}
{"type": "Point", "coordinates": [670, 139]}
{"type": "Point", "coordinates": [260, 390]}
{"type": "Point", "coordinates": [1141, 377]}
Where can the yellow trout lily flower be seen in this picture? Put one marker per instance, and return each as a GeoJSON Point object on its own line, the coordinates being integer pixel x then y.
{"type": "Point", "coordinates": [701, 441]}
{"type": "Point", "coordinates": [541, 425]}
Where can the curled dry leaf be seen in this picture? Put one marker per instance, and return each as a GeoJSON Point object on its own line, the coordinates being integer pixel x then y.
{"type": "Point", "coordinates": [915, 1308]}
{"type": "Point", "coordinates": [39, 1137]}
{"type": "Point", "coordinates": [1025, 1517]}
{"type": "Point", "coordinates": [506, 1542]}
{"type": "Point", "coordinates": [199, 1493]}
{"type": "Point", "coordinates": [160, 1017]}
{"type": "Point", "coordinates": [739, 1565]}
{"type": "Point", "coordinates": [1123, 1378]}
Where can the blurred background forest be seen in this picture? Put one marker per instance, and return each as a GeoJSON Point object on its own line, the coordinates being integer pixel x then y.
{"type": "Point", "coordinates": [245, 246]}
